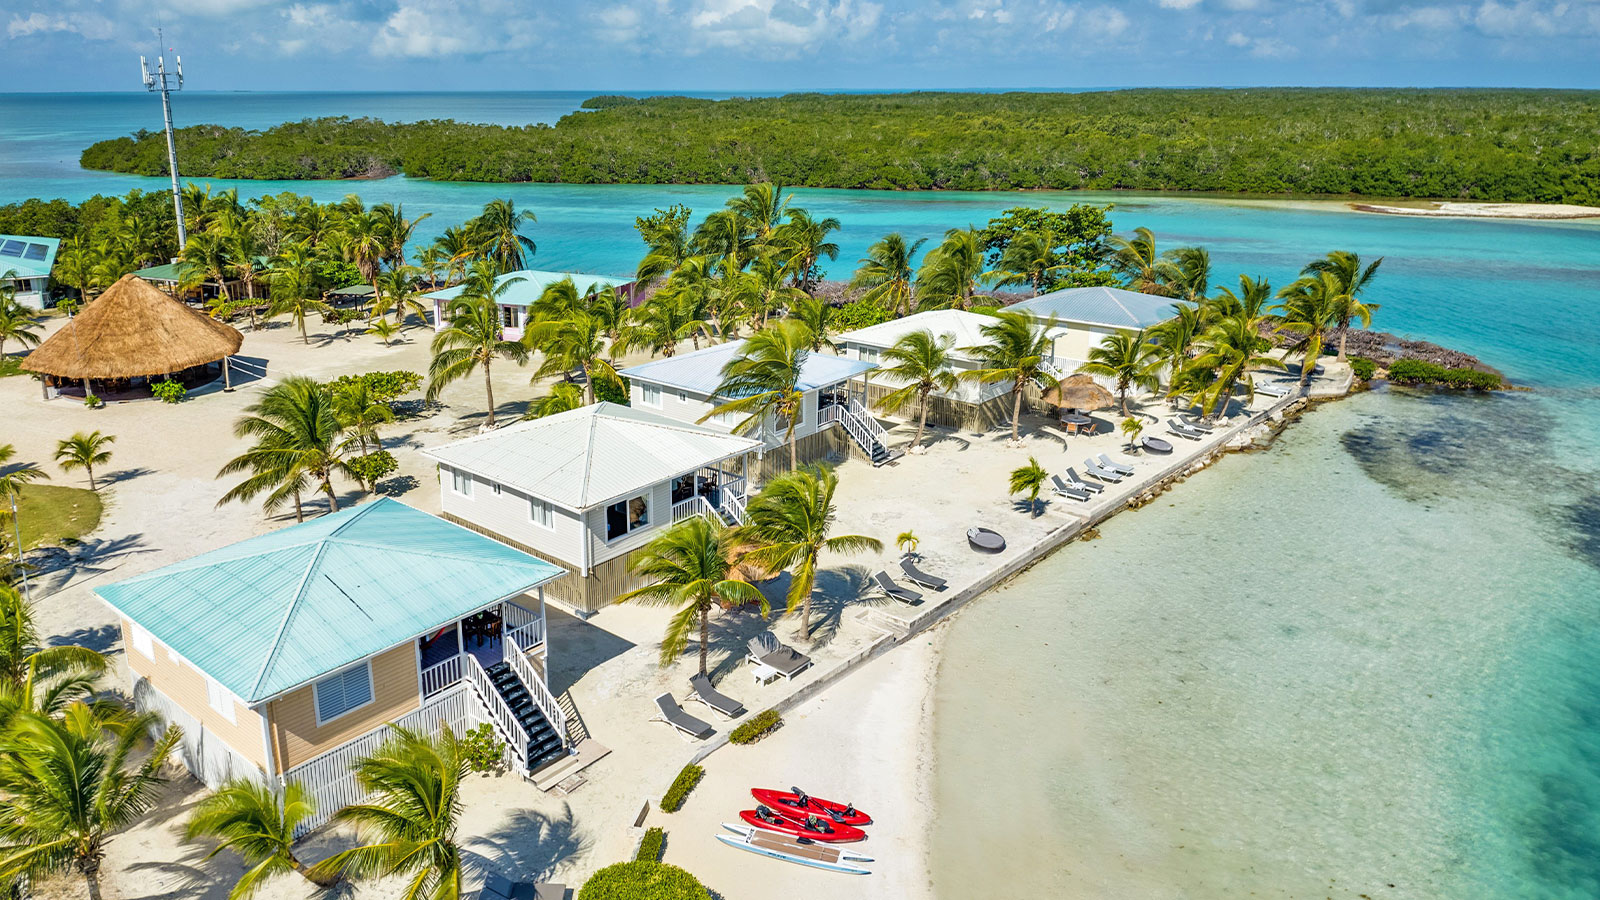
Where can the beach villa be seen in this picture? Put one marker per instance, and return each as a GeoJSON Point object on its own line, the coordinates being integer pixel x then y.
{"type": "Point", "coordinates": [1083, 316]}
{"type": "Point", "coordinates": [25, 266]}
{"type": "Point", "coordinates": [584, 488]}
{"type": "Point", "coordinates": [832, 413]}
{"type": "Point", "coordinates": [283, 656]}
{"type": "Point", "coordinates": [527, 286]}
{"type": "Point", "coordinates": [972, 404]}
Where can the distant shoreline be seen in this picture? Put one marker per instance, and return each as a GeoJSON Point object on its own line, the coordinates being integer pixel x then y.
{"type": "Point", "coordinates": [1452, 209]}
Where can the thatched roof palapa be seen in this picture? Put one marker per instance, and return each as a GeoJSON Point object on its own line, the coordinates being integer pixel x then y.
{"type": "Point", "coordinates": [1079, 392]}
{"type": "Point", "coordinates": [133, 330]}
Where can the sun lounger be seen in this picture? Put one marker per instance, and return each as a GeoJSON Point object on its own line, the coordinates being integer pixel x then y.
{"type": "Point", "coordinates": [1272, 389]}
{"type": "Point", "coordinates": [499, 887]}
{"type": "Point", "coordinates": [1101, 472]}
{"type": "Point", "coordinates": [895, 591]}
{"type": "Point", "coordinates": [673, 714]}
{"type": "Point", "coordinates": [1107, 463]}
{"type": "Point", "coordinates": [767, 650]}
{"type": "Point", "coordinates": [1196, 424]}
{"type": "Point", "coordinates": [1061, 488]}
{"type": "Point", "coordinates": [1182, 430]}
{"type": "Point", "coordinates": [700, 689]}
{"type": "Point", "coordinates": [918, 577]}
{"type": "Point", "coordinates": [1073, 481]}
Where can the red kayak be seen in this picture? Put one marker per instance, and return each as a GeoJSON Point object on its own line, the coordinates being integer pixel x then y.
{"type": "Point", "coordinates": [798, 804]}
{"type": "Point", "coordinates": [817, 828]}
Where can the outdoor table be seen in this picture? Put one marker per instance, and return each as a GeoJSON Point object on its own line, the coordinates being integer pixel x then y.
{"type": "Point", "coordinates": [1077, 422]}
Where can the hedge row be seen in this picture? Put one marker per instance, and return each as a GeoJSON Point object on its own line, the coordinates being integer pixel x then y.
{"type": "Point", "coordinates": [1415, 371]}
{"type": "Point", "coordinates": [672, 800]}
{"type": "Point", "coordinates": [756, 727]}
{"type": "Point", "coordinates": [640, 880]}
{"type": "Point", "coordinates": [650, 849]}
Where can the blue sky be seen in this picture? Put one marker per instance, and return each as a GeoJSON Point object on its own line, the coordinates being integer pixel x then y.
{"type": "Point", "coordinates": [763, 45]}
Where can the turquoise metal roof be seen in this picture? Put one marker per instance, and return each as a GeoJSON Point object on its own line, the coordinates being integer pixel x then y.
{"type": "Point", "coordinates": [276, 611]}
{"type": "Point", "coordinates": [29, 257]}
{"type": "Point", "coordinates": [532, 285]}
{"type": "Point", "coordinates": [701, 370]}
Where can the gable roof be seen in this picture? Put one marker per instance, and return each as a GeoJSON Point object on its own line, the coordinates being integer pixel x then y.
{"type": "Point", "coordinates": [965, 327]}
{"type": "Point", "coordinates": [29, 257]}
{"type": "Point", "coordinates": [133, 329]}
{"type": "Point", "coordinates": [1109, 306]}
{"type": "Point", "coordinates": [279, 610]}
{"type": "Point", "coordinates": [532, 285]}
{"type": "Point", "coordinates": [701, 371]}
{"type": "Point", "coordinates": [590, 456]}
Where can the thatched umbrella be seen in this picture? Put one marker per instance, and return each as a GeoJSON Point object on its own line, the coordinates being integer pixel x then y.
{"type": "Point", "coordinates": [133, 330]}
{"type": "Point", "coordinates": [1079, 392]}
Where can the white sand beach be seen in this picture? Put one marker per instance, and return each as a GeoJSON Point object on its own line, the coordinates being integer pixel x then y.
{"type": "Point", "coordinates": [1483, 210]}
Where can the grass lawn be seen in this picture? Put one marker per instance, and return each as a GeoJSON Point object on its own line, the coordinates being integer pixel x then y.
{"type": "Point", "coordinates": [10, 365]}
{"type": "Point", "coordinates": [51, 514]}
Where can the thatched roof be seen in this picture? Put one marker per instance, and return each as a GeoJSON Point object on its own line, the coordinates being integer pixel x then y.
{"type": "Point", "coordinates": [133, 329]}
{"type": "Point", "coordinates": [1079, 392]}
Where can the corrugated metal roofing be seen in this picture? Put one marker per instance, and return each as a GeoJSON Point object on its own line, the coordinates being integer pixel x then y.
{"type": "Point", "coordinates": [29, 257]}
{"type": "Point", "coordinates": [590, 456]}
{"type": "Point", "coordinates": [276, 611]}
{"type": "Point", "coordinates": [533, 283]}
{"type": "Point", "coordinates": [1109, 306]}
{"type": "Point", "coordinates": [965, 327]}
{"type": "Point", "coordinates": [701, 371]}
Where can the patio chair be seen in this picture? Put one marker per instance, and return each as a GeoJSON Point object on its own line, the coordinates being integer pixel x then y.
{"type": "Point", "coordinates": [1101, 472]}
{"type": "Point", "coordinates": [920, 578]}
{"type": "Point", "coordinates": [673, 714]}
{"type": "Point", "coordinates": [1073, 481]}
{"type": "Point", "coordinates": [767, 650]}
{"type": "Point", "coordinates": [1182, 430]}
{"type": "Point", "coordinates": [1107, 463]}
{"type": "Point", "coordinates": [1060, 488]}
{"type": "Point", "coordinates": [700, 689]}
{"type": "Point", "coordinates": [895, 591]}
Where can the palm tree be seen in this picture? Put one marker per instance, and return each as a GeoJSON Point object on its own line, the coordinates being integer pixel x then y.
{"type": "Point", "coordinates": [408, 828]}
{"type": "Point", "coordinates": [923, 363]}
{"type": "Point", "coordinates": [75, 267]}
{"type": "Point", "coordinates": [725, 235]}
{"type": "Point", "coordinates": [244, 250]}
{"type": "Point", "coordinates": [803, 243]}
{"type": "Point", "coordinates": [1029, 480]}
{"type": "Point", "coordinates": [791, 520]}
{"type": "Point", "coordinates": [950, 272]}
{"type": "Point", "coordinates": [768, 293]}
{"type": "Point", "coordinates": [1136, 260]}
{"type": "Point", "coordinates": [1174, 341]}
{"type": "Point", "coordinates": [360, 412]}
{"type": "Point", "coordinates": [85, 451]}
{"type": "Point", "coordinates": [1132, 427]}
{"type": "Point", "coordinates": [1345, 267]}
{"type": "Point", "coordinates": [397, 229]}
{"type": "Point", "coordinates": [1128, 357]}
{"type": "Point", "coordinates": [397, 289]}
{"type": "Point", "coordinates": [1228, 350]}
{"type": "Point", "coordinates": [1015, 352]}
{"type": "Point", "coordinates": [473, 337]}
{"type": "Point", "coordinates": [1250, 301]}
{"type": "Point", "coordinates": [886, 272]}
{"type": "Point", "coordinates": [577, 342]}
{"type": "Point", "coordinates": [298, 443]}
{"type": "Point", "coordinates": [257, 823]}
{"type": "Point", "coordinates": [660, 323]}
{"type": "Point", "coordinates": [16, 323]}
{"type": "Point", "coordinates": [384, 329]}
{"type": "Point", "coordinates": [666, 235]}
{"type": "Point", "coordinates": [563, 397]}
{"type": "Point", "coordinates": [458, 246]}
{"type": "Point", "coordinates": [294, 286]}
{"type": "Point", "coordinates": [23, 656]}
{"type": "Point", "coordinates": [1030, 258]}
{"type": "Point", "coordinates": [13, 477]}
{"type": "Point", "coordinates": [70, 785]}
{"type": "Point", "coordinates": [761, 206]}
{"type": "Point", "coordinates": [1188, 277]}
{"type": "Point", "coordinates": [817, 315]}
{"type": "Point", "coordinates": [690, 567]}
{"type": "Point", "coordinates": [499, 236]}
{"type": "Point", "coordinates": [365, 243]}
{"type": "Point", "coordinates": [764, 379]}
{"type": "Point", "coordinates": [1308, 308]}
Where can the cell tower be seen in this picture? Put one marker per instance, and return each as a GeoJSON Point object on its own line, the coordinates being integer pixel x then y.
{"type": "Point", "coordinates": [166, 83]}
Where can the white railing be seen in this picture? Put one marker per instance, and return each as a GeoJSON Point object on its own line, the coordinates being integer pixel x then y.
{"type": "Point", "coordinates": [517, 658]}
{"type": "Point", "coordinates": [332, 781]}
{"type": "Point", "coordinates": [688, 509]}
{"type": "Point", "coordinates": [500, 714]}
{"type": "Point", "coordinates": [863, 429]}
{"type": "Point", "coordinates": [439, 676]}
{"type": "Point", "coordinates": [524, 624]}
{"type": "Point", "coordinates": [734, 504]}
{"type": "Point", "coordinates": [867, 419]}
{"type": "Point", "coordinates": [829, 414]}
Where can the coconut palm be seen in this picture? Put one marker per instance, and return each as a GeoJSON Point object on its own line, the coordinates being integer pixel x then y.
{"type": "Point", "coordinates": [726, 235]}
{"type": "Point", "coordinates": [1130, 358]}
{"type": "Point", "coordinates": [768, 293]}
{"type": "Point", "coordinates": [458, 246]}
{"type": "Point", "coordinates": [499, 237]}
{"type": "Point", "coordinates": [70, 784]}
{"type": "Point", "coordinates": [791, 524]}
{"type": "Point", "coordinates": [923, 364]}
{"type": "Point", "coordinates": [690, 567]}
{"type": "Point", "coordinates": [1015, 351]}
{"type": "Point", "coordinates": [473, 337]}
{"type": "Point", "coordinates": [23, 655]}
{"type": "Point", "coordinates": [14, 476]}
{"type": "Point", "coordinates": [397, 230]}
{"type": "Point", "coordinates": [1132, 427]}
{"type": "Point", "coordinates": [1031, 259]}
{"type": "Point", "coordinates": [1251, 300]}
{"type": "Point", "coordinates": [762, 207]}
{"type": "Point", "coordinates": [360, 412]}
{"type": "Point", "coordinates": [803, 243]}
{"type": "Point", "coordinates": [408, 827]}
{"type": "Point", "coordinates": [1308, 308]}
{"type": "Point", "coordinates": [1174, 341]}
{"type": "Point", "coordinates": [244, 251]}
{"type": "Point", "coordinates": [1136, 260]}
{"type": "Point", "coordinates": [397, 291]}
{"type": "Point", "coordinates": [259, 824]}
{"type": "Point", "coordinates": [294, 286]}
{"type": "Point", "coordinates": [1229, 349]}
{"type": "Point", "coordinates": [563, 397]}
{"type": "Point", "coordinates": [949, 273]}
{"type": "Point", "coordinates": [660, 323]}
{"type": "Point", "coordinates": [886, 273]}
{"type": "Point", "coordinates": [1029, 479]}
{"type": "Point", "coordinates": [85, 451]}
{"type": "Point", "coordinates": [1345, 267]}
{"type": "Point", "coordinates": [1188, 277]}
{"type": "Point", "coordinates": [574, 343]}
{"type": "Point", "coordinates": [365, 242]}
{"type": "Point", "coordinates": [299, 443]}
{"type": "Point", "coordinates": [384, 329]}
{"type": "Point", "coordinates": [817, 315]}
{"type": "Point", "coordinates": [764, 380]}
{"type": "Point", "coordinates": [16, 322]}
{"type": "Point", "coordinates": [75, 267]}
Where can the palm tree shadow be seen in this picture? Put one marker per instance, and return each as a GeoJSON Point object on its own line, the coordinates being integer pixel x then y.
{"type": "Point", "coordinates": [95, 556]}
{"type": "Point", "coordinates": [121, 475]}
{"type": "Point", "coordinates": [189, 875]}
{"type": "Point", "coordinates": [1034, 508]}
{"type": "Point", "coordinates": [528, 847]}
{"type": "Point", "coordinates": [837, 590]}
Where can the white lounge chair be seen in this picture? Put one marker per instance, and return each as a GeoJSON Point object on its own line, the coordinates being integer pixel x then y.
{"type": "Point", "coordinates": [1107, 463]}
{"type": "Point", "coordinates": [700, 689]}
{"type": "Point", "coordinates": [1101, 472]}
{"type": "Point", "coordinates": [767, 650]}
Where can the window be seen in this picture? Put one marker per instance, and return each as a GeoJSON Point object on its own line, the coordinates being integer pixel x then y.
{"type": "Point", "coordinates": [461, 482]}
{"type": "Point", "coordinates": [683, 396]}
{"type": "Point", "coordinates": [869, 354]}
{"type": "Point", "coordinates": [220, 699]}
{"type": "Point", "coordinates": [343, 692]}
{"type": "Point", "coordinates": [650, 394]}
{"type": "Point", "coordinates": [627, 516]}
{"type": "Point", "coordinates": [141, 641]}
{"type": "Point", "coordinates": [495, 487]}
{"type": "Point", "coordinates": [541, 513]}
{"type": "Point", "coordinates": [508, 316]}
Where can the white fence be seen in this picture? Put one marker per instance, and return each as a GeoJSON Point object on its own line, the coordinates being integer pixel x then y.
{"type": "Point", "coordinates": [440, 676]}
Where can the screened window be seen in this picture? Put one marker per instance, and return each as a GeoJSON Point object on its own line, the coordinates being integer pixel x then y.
{"type": "Point", "coordinates": [220, 699]}
{"type": "Point", "coordinates": [142, 642]}
{"type": "Point", "coordinates": [650, 394]}
{"type": "Point", "coordinates": [541, 513]}
{"type": "Point", "coordinates": [508, 316]}
{"type": "Point", "coordinates": [461, 482]}
{"type": "Point", "coordinates": [627, 516]}
{"type": "Point", "coordinates": [343, 692]}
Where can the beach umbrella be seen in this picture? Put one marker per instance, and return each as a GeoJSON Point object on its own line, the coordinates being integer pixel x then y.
{"type": "Point", "coordinates": [1079, 392]}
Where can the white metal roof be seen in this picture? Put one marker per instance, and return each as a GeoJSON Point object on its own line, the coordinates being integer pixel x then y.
{"type": "Point", "coordinates": [591, 456]}
{"type": "Point", "coordinates": [965, 327]}
{"type": "Point", "coordinates": [1109, 306]}
{"type": "Point", "coordinates": [701, 371]}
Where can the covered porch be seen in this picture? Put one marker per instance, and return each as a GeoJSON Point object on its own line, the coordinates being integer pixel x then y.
{"type": "Point", "coordinates": [488, 637]}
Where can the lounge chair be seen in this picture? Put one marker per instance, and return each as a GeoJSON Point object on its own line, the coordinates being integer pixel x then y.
{"type": "Point", "coordinates": [673, 714]}
{"type": "Point", "coordinates": [1073, 481]}
{"type": "Point", "coordinates": [1107, 463]}
{"type": "Point", "coordinates": [499, 887]}
{"type": "Point", "coordinates": [922, 579]}
{"type": "Point", "coordinates": [895, 591]}
{"type": "Point", "coordinates": [1197, 424]}
{"type": "Point", "coordinates": [1061, 488]}
{"type": "Point", "coordinates": [1101, 472]}
{"type": "Point", "coordinates": [700, 689]}
{"type": "Point", "coordinates": [767, 650]}
{"type": "Point", "coordinates": [1182, 430]}
{"type": "Point", "coordinates": [1272, 389]}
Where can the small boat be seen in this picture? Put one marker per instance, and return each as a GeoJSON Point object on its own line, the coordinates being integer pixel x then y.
{"type": "Point", "coordinates": [813, 827]}
{"type": "Point", "coordinates": [798, 802]}
{"type": "Point", "coordinates": [795, 850]}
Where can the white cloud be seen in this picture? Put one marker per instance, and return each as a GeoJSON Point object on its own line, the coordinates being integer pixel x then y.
{"type": "Point", "coordinates": [1178, 4]}
{"type": "Point", "coordinates": [86, 25]}
{"type": "Point", "coordinates": [779, 24]}
{"type": "Point", "coordinates": [1261, 48]}
{"type": "Point", "coordinates": [441, 28]}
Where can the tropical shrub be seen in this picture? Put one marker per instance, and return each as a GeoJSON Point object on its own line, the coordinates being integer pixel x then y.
{"type": "Point", "coordinates": [93, 402]}
{"type": "Point", "coordinates": [859, 314]}
{"type": "Point", "coordinates": [335, 316]}
{"type": "Point", "coordinates": [985, 309]}
{"type": "Point", "coordinates": [642, 880]}
{"type": "Point", "coordinates": [1416, 371]}
{"type": "Point", "coordinates": [483, 748]}
{"type": "Point", "coordinates": [756, 727]}
{"type": "Point", "coordinates": [672, 800]}
{"type": "Point", "coordinates": [1363, 368]}
{"type": "Point", "coordinates": [385, 386]}
{"type": "Point", "coordinates": [611, 390]}
{"type": "Point", "coordinates": [653, 845]}
{"type": "Point", "coordinates": [168, 391]}
{"type": "Point", "coordinates": [373, 466]}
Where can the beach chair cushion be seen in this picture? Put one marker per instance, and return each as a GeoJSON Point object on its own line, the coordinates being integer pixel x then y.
{"type": "Point", "coordinates": [702, 687]}
{"type": "Point", "coordinates": [677, 718]}
{"type": "Point", "coordinates": [894, 590]}
{"type": "Point", "coordinates": [917, 576]}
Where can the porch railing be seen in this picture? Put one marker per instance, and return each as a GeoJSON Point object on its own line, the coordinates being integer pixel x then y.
{"type": "Point", "coordinates": [523, 624]}
{"type": "Point", "coordinates": [734, 504]}
{"type": "Point", "coordinates": [829, 414]}
{"type": "Point", "coordinates": [693, 506]}
{"type": "Point", "coordinates": [440, 676]}
{"type": "Point", "coordinates": [517, 658]}
{"type": "Point", "coordinates": [516, 757]}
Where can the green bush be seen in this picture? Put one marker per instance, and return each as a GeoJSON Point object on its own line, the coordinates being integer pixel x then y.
{"type": "Point", "coordinates": [756, 727]}
{"type": "Point", "coordinates": [985, 310]}
{"type": "Point", "coordinates": [672, 800]}
{"type": "Point", "coordinates": [483, 748]}
{"type": "Point", "coordinates": [1416, 371]}
{"type": "Point", "coordinates": [385, 386]}
{"type": "Point", "coordinates": [1363, 368]}
{"type": "Point", "coordinates": [611, 391]}
{"type": "Point", "coordinates": [332, 316]}
{"type": "Point", "coordinates": [168, 391]}
{"type": "Point", "coordinates": [651, 848]}
{"type": "Point", "coordinates": [640, 880]}
{"type": "Point", "coordinates": [373, 466]}
{"type": "Point", "coordinates": [859, 314]}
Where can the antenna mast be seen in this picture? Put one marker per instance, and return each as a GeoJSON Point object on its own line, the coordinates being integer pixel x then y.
{"type": "Point", "coordinates": [166, 83]}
